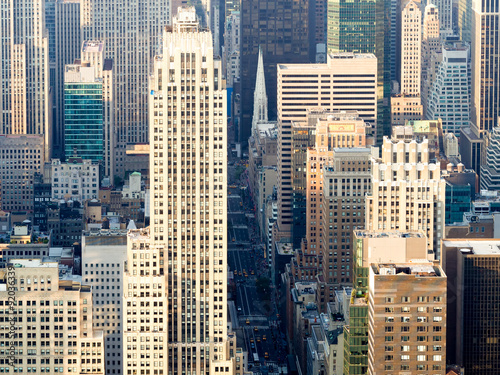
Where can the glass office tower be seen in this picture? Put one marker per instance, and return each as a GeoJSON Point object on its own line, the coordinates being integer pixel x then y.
{"type": "Point", "coordinates": [83, 120]}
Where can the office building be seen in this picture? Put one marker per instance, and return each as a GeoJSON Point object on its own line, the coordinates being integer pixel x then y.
{"type": "Point", "coordinates": [411, 49]}
{"type": "Point", "coordinates": [484, 66]}
{"type": "Point", "coordinates": [89, 111]}
{"type": "Point", "coordinates": [104, 253]}
{"type": "Point", "coordinates": [372, 247]}
{"type": "Point", "coordinates": [21, 157]}
{"type": "Point", "coordinates": [465, 20]}
{"type": "Point", "coordinates": [407, 105]}
{"type": "Point", "coordinates": [232, 48]}
{"type": "Point", "coordinates": [42, 196]}
{"type": "Point", "coordinates": [445, 9]}
{"type": "Point", "coordinates": [54, 321]}
{"type": "Point", "coordinates": [346, 82]}
{"type": "Point", "coordinates": [62, 19]}
{"type": "Point", "coordinates": [430, 42]}
{"type": "Point", "coordinates": [132, 46]}
{"type": "Point", "coordinates": [449, 95]}
{"type": "Point", "coordinates": [461, 187]}
{"type": "Point", "coordinates": [281, 31]}
{"type": "Point", "coordinates": [334, 133]}
{"type": "Point", "coordinates": [364, 27]}
{"type": "Point", "coordinates": [407, 318]}
{"type": "Point", "coordinates": [25, 103]}
{"type": "Point", "coordinates": [76, 179]}
{"type": "Point", "coordinates": [188, 212]}
{"type": "Point", "coordinates": [408, 193]}
{"type": "Point", "coordinates": [490, 172]}
{"type": "Point", "coordinates": [472, 266]}
{"type": "Point", "coordinates": [346, 180]}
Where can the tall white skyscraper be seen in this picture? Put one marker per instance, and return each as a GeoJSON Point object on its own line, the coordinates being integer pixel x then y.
{"type": "Point", "coordinates": [131, 32]}
{"type": "Point", "coordinates": [182, 263]}
{"type": "Point", "coordinates": [24, 77]}
{"type": "Point", "coordinates": [411, 47]}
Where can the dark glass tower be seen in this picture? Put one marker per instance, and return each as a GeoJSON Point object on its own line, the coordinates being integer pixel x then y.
{"type": "Point", "coordinates": [364, 26]}
{"type": "Point", "coordinates": [281, 29]}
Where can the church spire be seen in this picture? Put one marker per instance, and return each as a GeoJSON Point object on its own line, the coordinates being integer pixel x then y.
{"type": "Point", "coordinates": [259, 96]}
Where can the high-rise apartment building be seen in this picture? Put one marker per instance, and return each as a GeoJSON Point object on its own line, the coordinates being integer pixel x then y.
{"type": "Point", "coordinates": [449, 95]}
{"type": "Point", "coordinates": [490, 171]}
{"type": "Point", "coordinates": [346, 82]}
{"type": "Point", "coordinates": [281, 30]}
{"type": "Point", "coordinates": [485, 60]}
{"type": "Point", "coordinates": [473, 267]}
{"type": "Point", "coordinates": [407, 318]}
{"type": "Point", "coordinates": [21, 156]}
{"type": "Point", "coordinates": [62, 19]}
{"type": "Point", "coordinates": [131, 32]}
{"type": "Point", "coordinates": [104, 253]}
{"type": "Point", "coordinates": [52, 318]}
{"type": "Point", "coordinates": [184, 262]}
{"type": "Point", "coordinates": [25, 102]}
{"type": "Point", "coordinates": [408, 193]}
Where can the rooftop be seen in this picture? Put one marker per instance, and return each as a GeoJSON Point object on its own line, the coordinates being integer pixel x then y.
{"type": "Point", "coordinates": [32, 263]}
{"type": "Point", "coordinates": [485, 246]}
{"type": "Point", "coordinates": [387, 234]}
{"type": "Point", "coordinates": [93, 46]}
{"type": "Point", "coordinates": [416, 269]}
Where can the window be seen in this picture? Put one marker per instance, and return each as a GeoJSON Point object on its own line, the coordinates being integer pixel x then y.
{"type": "Point", "coordinates": [436, 357]}
{"type": "Point", "coordinates": [405, 357]}
{"type": "Point", "coordinates": [421, 358]}
{"type": "Point", "coordinates": [421, 348]}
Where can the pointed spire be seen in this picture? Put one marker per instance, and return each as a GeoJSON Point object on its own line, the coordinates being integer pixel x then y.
{"type": "Point", "coordinates": [259, 96]}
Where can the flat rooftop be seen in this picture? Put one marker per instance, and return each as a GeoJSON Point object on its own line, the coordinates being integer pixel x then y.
{"type": "Point", "coordinates": [387, 234]}
{"type": "Point", "coordinates": [485, 246]}
{"type": "Point", "coordinates": [415, 269]}
{"type": "Point", "coordinates": [32, 263]}
{"type": "Point", "coordinates": [92, 46]}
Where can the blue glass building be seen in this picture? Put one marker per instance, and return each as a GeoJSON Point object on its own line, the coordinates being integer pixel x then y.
{"type": "Point", "coordinates": [83, 120]}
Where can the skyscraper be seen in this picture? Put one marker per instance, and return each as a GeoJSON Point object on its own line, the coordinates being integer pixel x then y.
{"type": "Point", "coordinates": [365, 27]}
{"type": "Point", "coordinates": [131, 32]}
{"type": "Point", "coordinates": [62, 19]}
{"type": "Point", "coordinates": [187, 240]}
{"type": "Point", "coordinates": [281, 30]}
{"type": "Point", "coordinates": [473, 268]}
{"type": "Point", "coordinates": [24, 77]}
{"type": "Point", "coordinates": [346, 82]}
{"type": "Point", "coordinates": [408, 193]}
{"type": "Point", "coordinates": [449, 96]}
{"type": "Point", "coordinates": [485, 62]}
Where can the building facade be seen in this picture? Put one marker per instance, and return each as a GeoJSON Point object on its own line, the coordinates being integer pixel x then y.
{"type": "Point", "coordinates": [132, 46]}
{"type": "Point", "coordinates": [103, 258]}
{"type": "Point", "coordinates": [449, 95]}
{"type": "Point", "coordinates": [25, 103]}
{"type": "Point", "coordinates": [62, 19]}
{"type": "Point", "coordinates": [408, 193]}
{"type": "Point", "coordinates": [472, 266]}
{"type": "Point", "coordinates": [22, 156]}
{"type": "Point", "coordinates": [408, 310]}
{"type": "Point", "coordinates": [346, 82]}
{"type": "Point", "coordinates": [76, 180]}
{"type": "Point", "coordinates": [55, 320]}
{"type": "Point", "coordinates": [281, 30]}
{"type": "Point", "coordinates": [188, 206]}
